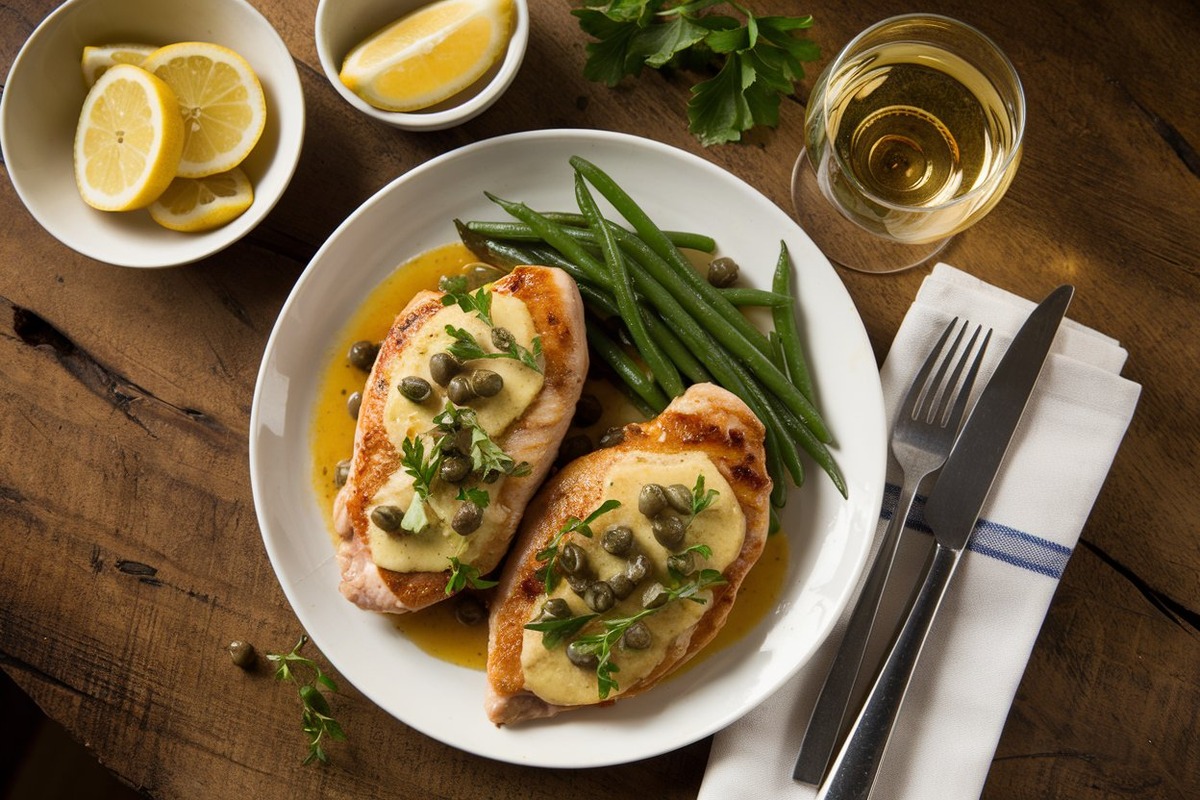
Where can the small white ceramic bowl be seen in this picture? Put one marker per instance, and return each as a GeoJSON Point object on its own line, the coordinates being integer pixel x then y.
{"type": "Point", "coordinates": [341, 24]}
{"type": "Point", "coordinates": [44, 93]}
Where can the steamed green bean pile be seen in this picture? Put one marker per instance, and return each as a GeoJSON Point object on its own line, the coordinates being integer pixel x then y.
{"type": "Point", "coordinates": [680, 328]}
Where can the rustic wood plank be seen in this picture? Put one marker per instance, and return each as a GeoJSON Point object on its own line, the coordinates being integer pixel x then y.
{"type": "Point", "coordinates": [134, 551]}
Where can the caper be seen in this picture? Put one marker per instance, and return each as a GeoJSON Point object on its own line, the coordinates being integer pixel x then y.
{"type": "Point", "coordinates": [459, 390]}
{"type": "Point", "coordinates": [579, 583]}
{"type": "Point", "coordinates": [486, 383]}
{"type": "Point", "coordinates": [387, 518]}
{"type": "Point", "coordinates": [587, 411]}
{"type": "Point", "coordinates": [655, 595]}
{"type": "Point", "coordinates": [442, 367]}
{"type": "Point", "coordinates": [617, 540]}
{"type": "Point", "coordinates": [638, 568]}
{"type": "Point", "coordinates": [612, 436]}
{"type": "Point", "coordinates": [354, 404]}
{"type": "Point", "coordinates": [555, 608]}
{"type": "Point", "coordinates": [722, 272]}
{"type": "Point", "coordinates": [668, 531]}
{"type": "Point", "coordinates": [572, 559]}
{"type": "Point", "coordinates": [652, 500]}
{"type": "Point", "coordinates": [469, 610]}
{"type": "Point", "coordinates": [341, 473]}
{"type": "Point", "coordinates": [636, 637]}
{"type": "Point", "coordinates": [502, 338]}
{"type": "Point", "coordinates": [599, 596]}
{"type": "Point", "coordinates": [680, 498]}
{"type": "Point", "coordinates": [242, 653]}
{"type": "Point", "coordinates": [415, 388]}
{"type": "Point", "coordinates": [454, 469]}
{"type": "Point", "coordinates": [578, 655]}
{"type": "Point", "coordinates": [467, 519]}
{"type": "Point", "coordinates": [362, 355]}
{"type": "Point", "coordinates": [622, 587]}
{"type": "Point", "coordinates": [684, 563]}
{"type": "Point", "coordinates": [573, 447]}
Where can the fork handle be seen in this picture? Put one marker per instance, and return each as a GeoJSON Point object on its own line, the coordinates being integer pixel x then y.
{"type": "Point", "coordinates": [855, 767]}
{"type": "Point", "coordinates": [825, 724]}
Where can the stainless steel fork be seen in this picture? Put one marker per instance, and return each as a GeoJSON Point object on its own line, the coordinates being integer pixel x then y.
{"type": "Point", "coordinates": [927, 423]}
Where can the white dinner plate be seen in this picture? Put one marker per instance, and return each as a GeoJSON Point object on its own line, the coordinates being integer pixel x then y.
{"type": "Point", "coordinates": [829, 536]}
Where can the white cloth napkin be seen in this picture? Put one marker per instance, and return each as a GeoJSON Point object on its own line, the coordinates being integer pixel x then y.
{"type": "Point", "coordinates": [946, 735]}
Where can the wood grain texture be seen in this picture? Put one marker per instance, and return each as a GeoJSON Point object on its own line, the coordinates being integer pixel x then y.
{"type": "Point", "coordinates": [132, 551]}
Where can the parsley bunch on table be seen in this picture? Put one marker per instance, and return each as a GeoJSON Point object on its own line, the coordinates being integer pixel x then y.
{"type": "Point", "coordinates": [758, 58]}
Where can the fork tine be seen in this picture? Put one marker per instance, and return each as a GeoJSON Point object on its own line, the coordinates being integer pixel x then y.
{"type": "Point", "coordinates": [941, 412]}
{"type": "Point", "coordinates": [938, 387]}
{"type": "Point", "coordinates": [955, 413]}
{"type": "Point", "coordinates": [917, 391]}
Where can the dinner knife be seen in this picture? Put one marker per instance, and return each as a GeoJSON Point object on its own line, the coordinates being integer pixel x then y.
{"type": "Point", "coordinates": [951, 511]}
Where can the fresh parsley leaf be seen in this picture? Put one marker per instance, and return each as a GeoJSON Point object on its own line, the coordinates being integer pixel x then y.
{"type": "Point", "coordinates": [701, 499]}
{"type": "Point", "coordinates": [548, 574]}
{"type": "Point", "coordinates": [478, 302]}
{"type": "Point", "coordinates": [555, 631]}
{"type": "Point", "coordinates": [316, 716]}
{"type": "Point", "coordinates": [423, 468]}
{"type": "Point", "coordinates": [601, 644]}
{"type": "Point", "coordinates": [758, 58]}
{"type": "Point", "coordinates": [467, 348]}
{"type": "Point", "coordinates": [473, 494]}
{"type": "Point", "coordinates": [463, 576]}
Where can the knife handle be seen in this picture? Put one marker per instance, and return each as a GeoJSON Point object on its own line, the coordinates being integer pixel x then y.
{"type": "Point", "coordinates": [854, 769]}
{"type": "Point", "coordinates": [825, 724]}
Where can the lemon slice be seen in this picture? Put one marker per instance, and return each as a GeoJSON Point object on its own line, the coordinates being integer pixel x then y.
{"type": "Point", "coordinates": [429, 55]}
{"type": "Point", "coordinates": [98, 58]}
{"type": "Point", "coordinates": [201, 204]}
{"type": "Point", "coordinates": [222, 102]}
{"type": "Point", "coordinates": [128, 141]}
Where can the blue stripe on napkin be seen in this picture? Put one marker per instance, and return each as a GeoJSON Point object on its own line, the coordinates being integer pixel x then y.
{"type": "Point", "coordinates": [992, 539]}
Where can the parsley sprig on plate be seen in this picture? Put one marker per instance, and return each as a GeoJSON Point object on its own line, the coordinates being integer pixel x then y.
{"type": "Point", "coordinates": [758, 57]}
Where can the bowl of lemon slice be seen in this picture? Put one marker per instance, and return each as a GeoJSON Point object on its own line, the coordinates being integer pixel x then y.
{"type": "Point", "coordinates": [152, 133]}
{"type": "Point", "coordinates": [421, 65]}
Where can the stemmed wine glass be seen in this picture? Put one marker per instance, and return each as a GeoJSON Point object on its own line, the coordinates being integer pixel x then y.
{"type": "Point", "coordinates": [912, 133]}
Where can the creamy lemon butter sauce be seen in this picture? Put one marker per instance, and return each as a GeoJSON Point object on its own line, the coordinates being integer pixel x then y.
{"type": "Point", "coordinates": [721, 527]}
{"type": "Point", "coordinates": [435, 630]}
{"type": "Point", "coordinates": [429, 550]}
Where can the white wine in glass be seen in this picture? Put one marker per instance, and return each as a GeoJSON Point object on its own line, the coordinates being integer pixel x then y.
{"type": "Point", "coordinates": [912, 134]}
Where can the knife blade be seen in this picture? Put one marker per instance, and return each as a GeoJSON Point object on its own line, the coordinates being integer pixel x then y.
{"type": "Point", "coordinates": [966, 479]}
{"type": "Point", "coordinates": [951, 510]}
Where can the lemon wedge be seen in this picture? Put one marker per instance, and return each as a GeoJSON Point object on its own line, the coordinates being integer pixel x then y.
{"type": "Point", "coordinates": [221, 100]}
{"type": "Point", "coordinates": [201, 204]}
{"type": "Point", "coordinates": [429, 55]}
{"type": "Point", "coordinates": [128, 141]}
{"type": "Point", "coordinates": [98, 58]}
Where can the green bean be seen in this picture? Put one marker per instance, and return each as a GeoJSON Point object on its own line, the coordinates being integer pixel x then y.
{"type": "Point", "coordinates": [519, 231]}
{"type": "Point", "coordinates": [688, 364]}
{"type": "Point", "coordinates": [757, 360]}
{"type": "Point", "coordinates": [653, 236]}
{"type": "Point", "coordinates": [625, 367]}
{"type": "Point", "coordinates": [741, 296]}
{"type": "Point", "coordinates": [555, 236]}
{"type": "Point", "coordinates": [787, 327]}
{"type": "Point", "coordinates": [663, 370]}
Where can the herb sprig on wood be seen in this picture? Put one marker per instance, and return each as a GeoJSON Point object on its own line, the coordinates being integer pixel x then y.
{"type": "Point", "coordinates": [316, 715]}
{"type": "Point", "coordinates": [758, 58]}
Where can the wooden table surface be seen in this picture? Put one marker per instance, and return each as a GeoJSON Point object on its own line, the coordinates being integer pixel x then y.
{"type": "Point", "coordinates": [132, 553]}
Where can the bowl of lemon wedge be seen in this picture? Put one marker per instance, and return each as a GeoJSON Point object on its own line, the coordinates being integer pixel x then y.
{"type": "Point", "coordinates": [421, 65]}
{"type": "Point", "coordinates": [152, 133]}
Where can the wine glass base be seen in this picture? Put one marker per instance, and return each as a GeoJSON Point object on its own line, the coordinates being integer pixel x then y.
{"type": "Point", "coordinates": [842, 241]}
